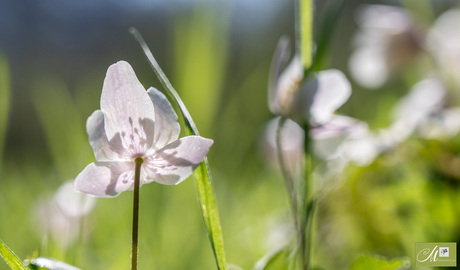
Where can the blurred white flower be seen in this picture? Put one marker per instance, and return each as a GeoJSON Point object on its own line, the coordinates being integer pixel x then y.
{"type": "Point", "coordinates": [339, 142]}
{"type": "Point", "coordinates": [314, 99]}
{"type": "Point", "coordinates": [387, 39]}
{"type": "Point", "coordinates": [361, 148]}
{"type": "Point", "coordinates": [413, 110]}
{"type": "Point", "coordinates": [328, 138]}
{"type": "Point", "coordinates": [72, 203]}
{"type": "Point", "coordinates": [442, 125]}
{"type": "Point", "coordinates": [60, 217]}
{"type": "Point", "coordinates": [443, 42]}
{"type": "Point", "coordinates": [345, 140]}
{"type": "Point", "coordinates": [292, 141]}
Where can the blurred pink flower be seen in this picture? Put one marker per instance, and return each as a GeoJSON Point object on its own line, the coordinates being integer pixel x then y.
{"type": "Point", "coordinates": [134, 123]}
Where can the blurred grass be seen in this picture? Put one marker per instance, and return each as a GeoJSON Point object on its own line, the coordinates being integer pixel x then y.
{"type": "Point", "coordinates": [4, 102]}
{"type": "Point", "coordinates": [62, 124]}
{"type": "Point", "coordinates": [200, 53]}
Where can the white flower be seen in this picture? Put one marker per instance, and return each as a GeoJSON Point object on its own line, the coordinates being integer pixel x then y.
{"type": "Point", "coordinates": [424, 99]}
{"type": "Point", "coordinates": [442, 125]}
{"type": "Point", "coordinates": [387, 39]}
{"type": "Point", "coordinates": [134, 123]}
{"type": "Point", "coordinates": [71, 203]}
{"type": "Point", "coordinates": [443, 42]}
{"type": "Point", "coordinates": [292, 141]}
{"type": "Point", "coordinates": [61, 216]}
{"type": "Point", "coordinates": [314, 99]}
{"type": "Point", "coordinates": [328, 138]}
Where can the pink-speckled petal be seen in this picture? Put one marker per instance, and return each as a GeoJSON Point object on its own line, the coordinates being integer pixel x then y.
{"type": "Point", "coordinates": [176, 161]}
{"type": "Point", "coordinates": [167, 128]}
{"type": "Point", "coordinates": [129, 116]}
{"type": "Point", "coordinates": [98, 139]}
{"type": "Point", "coordinates": [105, 179]}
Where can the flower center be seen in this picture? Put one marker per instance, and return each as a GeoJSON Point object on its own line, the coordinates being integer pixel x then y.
{"type": "Point", "coordinates": [139, 161]}
{"type": "Point", "coordinates": [135, 140]}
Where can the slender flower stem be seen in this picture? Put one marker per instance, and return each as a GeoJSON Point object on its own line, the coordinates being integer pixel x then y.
{"type": "Point", "coordinates": [290, 186]}
{"type": "Point", "coordinates": [304, 30]}
{"type": "Point", "coordinates": [134, 246]}
{"type": "Point", "coordinates": [308, 201]}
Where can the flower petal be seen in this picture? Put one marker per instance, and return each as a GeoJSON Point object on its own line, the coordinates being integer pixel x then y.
{"type": "Point", "coordinates": [292, 144]}
{"type": "Point", "coordinates": [71, 203]}
{"type": "Point", "coordinates": [176, 161]}
{"type": "Point", "coordinates": [384, 18]}
{"type": "Point", "coordinates": [287, 87]}
{"type": "Point", "coordinates": [278, 63]}
{"type": "Point", "coordinates": [98, 139]}
{"type": "Point", "coordinates": [128, 110]}
{"type": "Point", "coordinates": [329, 137]}
{"type": "Point", "coordinates": [167, 128]}
{"type": "Point", "coordinates": [105, 179]}
{"type": "Point", "coordinates": [368, 66]}
{"type": "Point", "coordinates": [333, 91]}
{"type": "Point", "coordinates": [425, 97]}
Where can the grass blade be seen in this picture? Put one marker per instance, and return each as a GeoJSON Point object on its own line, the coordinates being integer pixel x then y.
{"type": "Point", "coordinates": [202, 174]}
{"type": "Point", "coordinates": [10, 258]}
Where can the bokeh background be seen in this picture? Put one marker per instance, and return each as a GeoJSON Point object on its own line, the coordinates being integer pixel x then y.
{"type": "Point", "coordinates": [217, 54]}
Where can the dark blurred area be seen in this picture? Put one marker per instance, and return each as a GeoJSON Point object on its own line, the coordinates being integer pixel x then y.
{"type": "Point", "coordinates": [74, 41]}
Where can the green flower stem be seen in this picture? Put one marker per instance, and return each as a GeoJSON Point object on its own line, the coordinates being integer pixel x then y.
{"type": "Point", "coordinates": [305, 31]}
{"type": "Point", "coordinates": [308, 200]}
{"type": "Point", "coordinates": [134, 246]}
{"type": "Point", "coordinates": [291, 189]}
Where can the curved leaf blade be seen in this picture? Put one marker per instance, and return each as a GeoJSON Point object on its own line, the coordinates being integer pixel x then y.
{"type": "Point", "coordinates": [10, 258]}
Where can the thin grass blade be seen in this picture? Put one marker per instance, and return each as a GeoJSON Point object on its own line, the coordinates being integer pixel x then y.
{"type": "Point", "coordinates": [10, 258]}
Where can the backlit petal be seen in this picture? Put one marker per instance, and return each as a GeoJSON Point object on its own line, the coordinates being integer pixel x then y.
{"type": "Point", "coordinates": [177, 160]}
{"type": "Point", "coordinates": [288, 86]}
{"type": "Point", "coordinates": [333, 91]}
{"type": "Point", "coordinates": [167, 128]}
{"type": "Point", "coordinates": [128, 110]}
{"type": "Point", "coordinates": [425, 97]}
{"type": "Point", "coordinates": [98, 139]}
{"type": "Point", "coordinates": [105, 179]}
{"type": "Point", "coordinates": [278, 63]}
{"type": "Point", "coordinates": [71, 203]}
{"type": "Point", "coordinates": [368, 66]}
